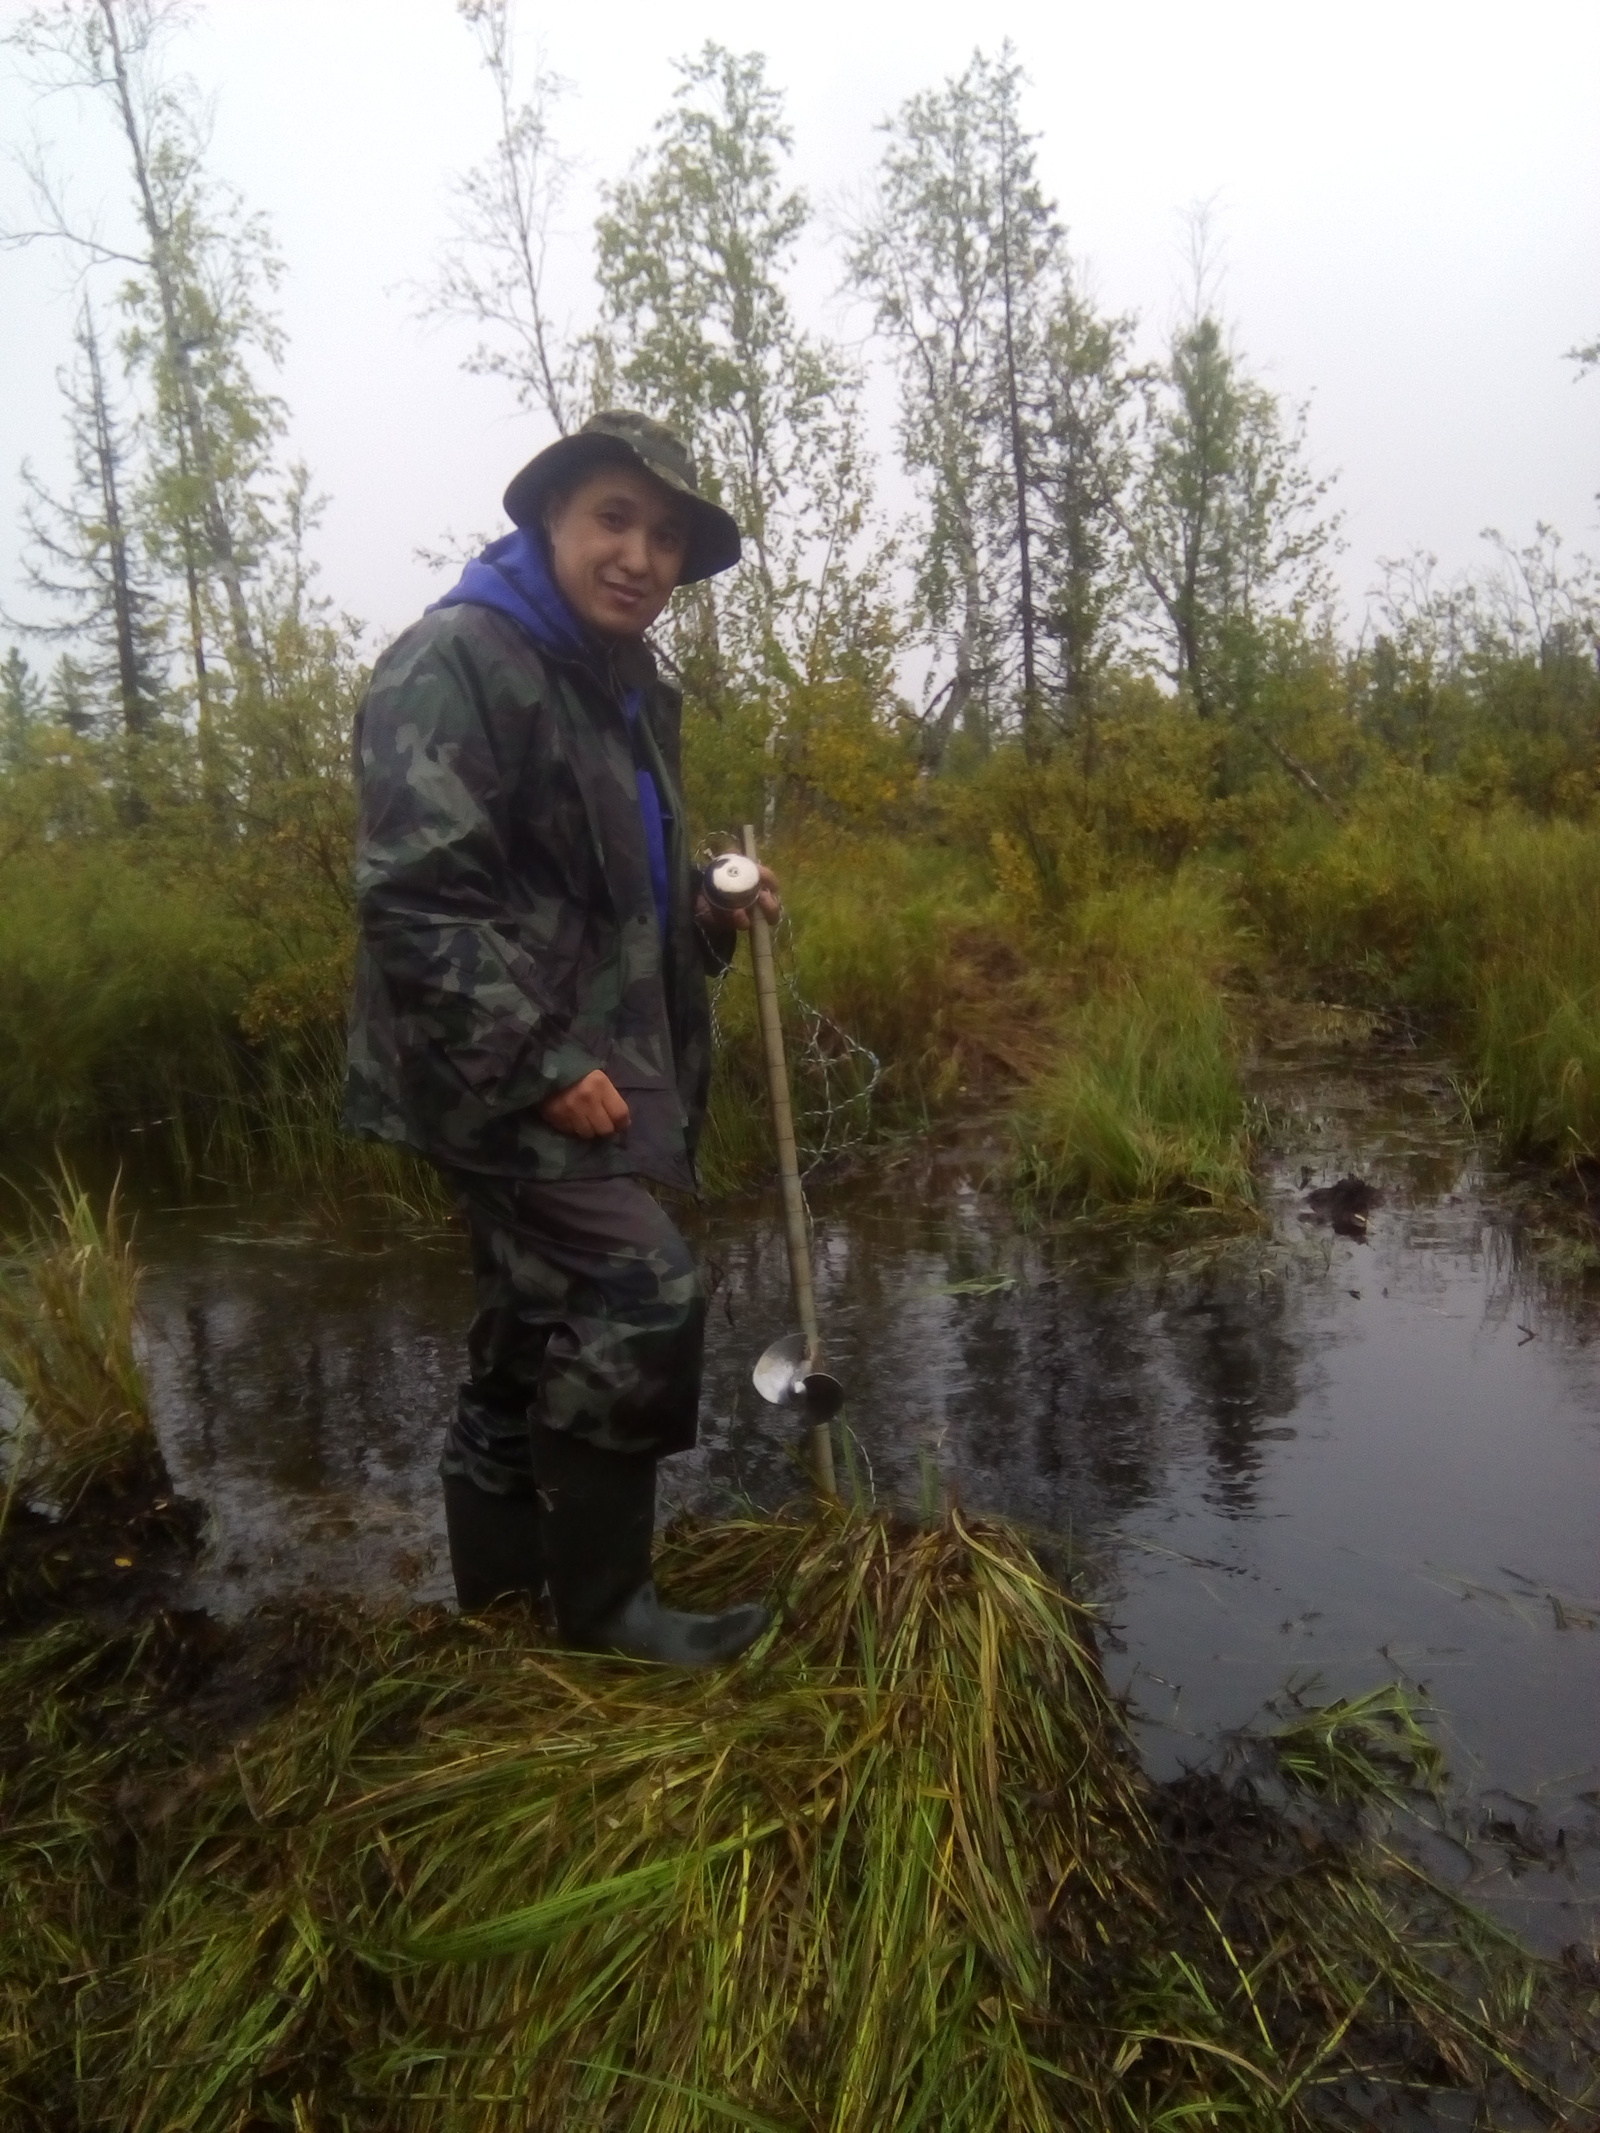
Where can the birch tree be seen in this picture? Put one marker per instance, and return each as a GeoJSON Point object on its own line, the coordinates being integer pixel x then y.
{"type": "Point", "coordinates": [923, 256]}
{"type": "Point", "coordinates": [493, 275]}
{"type": "Point", "coordinates": [1230, 525]}
{"type": "Point", "coordinates": [1085, 424]}
{"type": "Point", "coordinates": [695, 246]}
{"type": "Point", "coordinates": [1005, 398]}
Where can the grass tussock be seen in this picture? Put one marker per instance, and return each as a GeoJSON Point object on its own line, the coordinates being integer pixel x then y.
{"type": "Point", "coordinates": [896, 1869]}
{"type": "Point", "coordinates": [1142, 1110]}
{"type": "Point", "coordinates": [80, 1419]}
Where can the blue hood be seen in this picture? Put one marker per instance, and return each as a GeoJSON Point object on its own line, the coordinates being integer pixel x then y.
{"type": "Point", "coordinates": [513, 577]}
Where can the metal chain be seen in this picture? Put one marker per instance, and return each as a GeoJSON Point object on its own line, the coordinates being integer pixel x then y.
{"type": "Point", "coordinates": [835, 1076]}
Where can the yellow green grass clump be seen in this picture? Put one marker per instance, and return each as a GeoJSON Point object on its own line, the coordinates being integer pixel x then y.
{"type": "Point", "coordinates": [79, 1418]}
{"type": "Point", "coordinates": [897, 1869]}
{"type": "Point", "coordinates": [1143, 1112]}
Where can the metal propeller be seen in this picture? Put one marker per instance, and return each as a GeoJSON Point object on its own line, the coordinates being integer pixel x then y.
{"type": "Point", "coordinates": [783, 1378]}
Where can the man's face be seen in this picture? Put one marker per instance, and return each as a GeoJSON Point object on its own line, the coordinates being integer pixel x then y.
{"type": "Point", "coordinates": [619, 544]}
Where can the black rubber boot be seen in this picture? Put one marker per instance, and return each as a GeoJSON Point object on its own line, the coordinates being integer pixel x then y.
{"type": "Point", "coordinates": [597, 1526]}
{"type": "Point", "coordinates": [494, 1544]}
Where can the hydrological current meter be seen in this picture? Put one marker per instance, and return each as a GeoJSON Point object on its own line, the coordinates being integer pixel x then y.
{"type": "Point", "coordinates": [792, 1372]}
{"type": "Point", "coordinates": [731, 882]}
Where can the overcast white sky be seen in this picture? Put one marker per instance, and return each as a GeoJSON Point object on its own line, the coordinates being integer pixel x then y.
{"type": "Point", "coordinates": [1407, 195]}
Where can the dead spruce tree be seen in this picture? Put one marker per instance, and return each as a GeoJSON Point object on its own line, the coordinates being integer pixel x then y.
{"type": "Point", "coordinates": [82, 554]}
{"type": "Point", "coordinates": [197, 273]}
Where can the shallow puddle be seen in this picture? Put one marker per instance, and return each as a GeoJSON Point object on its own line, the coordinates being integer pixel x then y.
{"type": "Point", "coordinates": [1357, 1450]}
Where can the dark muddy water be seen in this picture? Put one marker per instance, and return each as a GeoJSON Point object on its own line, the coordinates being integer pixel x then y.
{"type": "Point", "coordinates": [1313, 1460]}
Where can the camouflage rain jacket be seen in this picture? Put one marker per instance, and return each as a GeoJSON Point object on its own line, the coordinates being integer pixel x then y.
{"type": "Point", "coordinates": [510, 939]}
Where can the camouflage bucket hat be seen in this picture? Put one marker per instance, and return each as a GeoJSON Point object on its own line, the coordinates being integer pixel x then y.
{"type": "Point", "coordinates": [620, 434]}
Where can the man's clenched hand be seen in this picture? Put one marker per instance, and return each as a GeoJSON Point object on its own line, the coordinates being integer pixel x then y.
{"type": "Point", "coordinates": [591, 1109]}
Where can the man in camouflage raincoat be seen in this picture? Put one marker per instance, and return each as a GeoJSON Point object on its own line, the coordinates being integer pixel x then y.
{"type": "Point", "coordinates": [530, 1014]}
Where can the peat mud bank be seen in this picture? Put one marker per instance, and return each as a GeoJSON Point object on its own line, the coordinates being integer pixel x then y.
{"type": "Point", "coordinates": [116, 1559]}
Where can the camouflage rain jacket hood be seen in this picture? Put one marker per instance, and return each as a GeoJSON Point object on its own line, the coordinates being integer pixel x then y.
{"type": "Point", "coordinates": [511, 937]}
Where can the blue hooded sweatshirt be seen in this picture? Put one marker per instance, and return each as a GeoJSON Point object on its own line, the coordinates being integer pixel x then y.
{"type": "Point", "coordinates": [513, 576]}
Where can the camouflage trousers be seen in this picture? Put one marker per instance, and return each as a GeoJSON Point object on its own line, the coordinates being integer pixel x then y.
{"type": "Point", "coordinates": [590, 1320]}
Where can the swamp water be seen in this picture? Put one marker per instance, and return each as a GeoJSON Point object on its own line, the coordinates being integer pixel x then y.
{"type": "Point", "coordinates": [1343, 1453]}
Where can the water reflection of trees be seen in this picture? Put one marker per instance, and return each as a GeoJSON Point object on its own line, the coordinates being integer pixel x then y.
{"type": "Point", "coordinates": [1097, 1390]}
{"type": "Point", "coordinates": [1023, 1381]}
{"type": "Point", "coordinates": [306, 1378]}
{"type": "Point", "coordinates": [1064, 1398]}
{"type": "Point", "coordinates": [1239, 1366]}
{"type": "Point", "coordinates": [1068, 1418]}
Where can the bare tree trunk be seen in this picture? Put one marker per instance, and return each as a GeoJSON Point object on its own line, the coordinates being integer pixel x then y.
{"type": "Point", "coordinates": [1031, 739]}
{"type": "Point", "coordinates": [1296, 769]}
{"type": "Point", "coordinates": [755, 532]}
{"type": "Point", "coordinates": [523, 202]}
{"type": "Point", "coordinates": [205, 723]}
{"type": "Point", "coordinates": [130, 688]}
{"type": "Point", "coordinates": [966, 684]}
{"type": "Point", "coordinates": [1186, 624]}
{"type": "Point", "coordinates": [219, 534]}
{"type": "Point", "coordinates": [211, 785]}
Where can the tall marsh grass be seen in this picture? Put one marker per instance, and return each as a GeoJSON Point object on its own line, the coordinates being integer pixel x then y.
{"type": "Point", "coordinates": [1144, 1111]}
{"type": "Point", "coordinates": [881, 930]}
{"type": "Point", "coordinates": [876, 988]}
{"type": "Point", "coordinates": [280, 1127]}
{"type": "Point", "coordinates": [898, 1868]}
{"type": "Point", "coordinates": [1142, 1108]}
{"type": "Point", "coordinates": [68, 1296]}
{"type": "Point", "coordinates": [119, 995]}
{"type": "Point", "coordinates": [1488, 920]}
{"type": "Point", "coordinates": [135, 997]}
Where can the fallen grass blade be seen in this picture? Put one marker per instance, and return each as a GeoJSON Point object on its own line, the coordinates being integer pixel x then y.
{"type": "Point", "coordinates": [538, 1923]}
